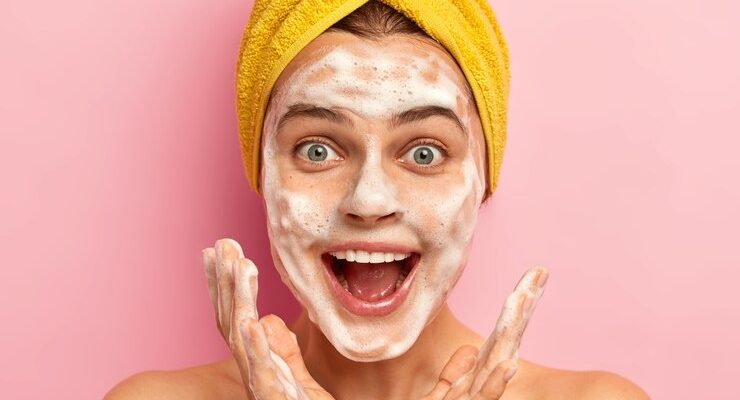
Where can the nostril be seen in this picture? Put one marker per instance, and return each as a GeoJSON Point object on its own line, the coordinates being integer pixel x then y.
{"type": "Point", "coordinates": [371, 218]}
{"type": "Point", "coordinates": [390, 216]}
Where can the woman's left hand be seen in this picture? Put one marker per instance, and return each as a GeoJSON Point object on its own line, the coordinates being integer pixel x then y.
{"type": "Point", "coordinates": [484, 377]}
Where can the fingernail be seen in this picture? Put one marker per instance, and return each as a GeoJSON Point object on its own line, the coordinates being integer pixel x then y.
{"type": "Point", "coordinates": [469, 361]}
{"type": "Point", "coordinates": [509, 373]}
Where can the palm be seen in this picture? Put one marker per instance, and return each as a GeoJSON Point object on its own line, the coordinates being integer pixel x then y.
{"type": "Point", "coordinates": [270, 360]}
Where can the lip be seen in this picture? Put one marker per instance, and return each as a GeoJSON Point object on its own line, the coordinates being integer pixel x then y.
{"type": "Point", "coordinates": [361, 307]}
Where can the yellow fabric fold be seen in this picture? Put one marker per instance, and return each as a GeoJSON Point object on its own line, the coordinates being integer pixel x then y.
{"type": "Point", "coordinates": [279, 29]}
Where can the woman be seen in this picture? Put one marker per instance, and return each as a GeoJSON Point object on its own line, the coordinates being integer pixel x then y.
{"type": "Point", "coordinates": [374, 151]}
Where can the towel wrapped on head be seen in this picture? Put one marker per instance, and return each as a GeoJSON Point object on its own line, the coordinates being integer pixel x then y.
{"type": "Point", "coordinates": [279, 29]}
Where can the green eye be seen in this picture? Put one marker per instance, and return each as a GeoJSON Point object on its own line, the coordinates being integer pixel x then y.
{"type": "Point", "coordinates": [425, 155]}
{"type": "Point", "coordinates": [317, 152]}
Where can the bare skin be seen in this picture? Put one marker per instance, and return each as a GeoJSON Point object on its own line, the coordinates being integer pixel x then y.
{"type": "Point", "coordinates": [447, 361]}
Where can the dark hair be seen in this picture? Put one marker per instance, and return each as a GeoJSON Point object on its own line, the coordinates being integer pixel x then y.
{"type": "Point", "coordinates": [374, 19]}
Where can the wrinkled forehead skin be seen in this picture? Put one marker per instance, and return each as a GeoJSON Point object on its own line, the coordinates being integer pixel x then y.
{"type": "Point", "coordinates": [370, 80]}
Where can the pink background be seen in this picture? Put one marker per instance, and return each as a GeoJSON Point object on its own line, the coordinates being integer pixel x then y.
{"type": "Point", "coordinates": [120, 163]}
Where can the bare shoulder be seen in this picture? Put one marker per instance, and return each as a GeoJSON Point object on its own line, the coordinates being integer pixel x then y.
{"type": "Point", "coordinates": [606, 385]}
{"type": "Point", "coordinates": [539, 382]}
{"type": "Point", "coordinates": [216, 380]}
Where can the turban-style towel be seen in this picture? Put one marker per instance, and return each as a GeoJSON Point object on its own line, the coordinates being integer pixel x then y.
{"type": "Point", "coordinates": [279, 29]}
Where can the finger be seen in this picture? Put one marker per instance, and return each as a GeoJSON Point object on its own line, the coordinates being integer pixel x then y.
{"type": "Point", "coordinates": [239, 352]}
{"type": "Point", "coordinates": [283, 342]}
{"type": "Point", "coordinates": [287, 357]}
{"type": "Point", "coordinates": [225, 287]}
{"type": "Point", "coordinates": [245, 289]}
{"type": "Point", "coordinates": [504, 341]}
{"type": "Point", "coordinates": [516, 314]}
{"type": "Point", "coordinates": [209, 266]}
{"type": "Point", "coordinates": [228, 251]}
{"type": "Point", "coordinates": [244, 303]}
{"type": "Point", "coordinates": [516, 311]}
{"type": "Point", "coordinates": [263, 378]}
{"type": "Point", "coordinates": [462, 361]}
{"type": "Point", "coordinates": [494, 386]}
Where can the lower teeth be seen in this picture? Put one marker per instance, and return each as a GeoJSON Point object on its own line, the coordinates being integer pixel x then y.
{"type": "Point", "coordinates": [342, 280]}
{"type": "Point", "coordinates": [400, 280]}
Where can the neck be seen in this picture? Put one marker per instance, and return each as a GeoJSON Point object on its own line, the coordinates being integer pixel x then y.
{"type": "Point", "coordinates": [408, 376]}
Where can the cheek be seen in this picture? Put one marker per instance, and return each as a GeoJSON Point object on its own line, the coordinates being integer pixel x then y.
{"type": "Point", "coordinates": [449, 218]}
{"type": "Point", "coordinates": [298, 223]}
{"type": "Point", "coordinates": [445, 210]}
{"type": "Point", "coordinates": [301, 215]}
{"type": "Point", "coordinates": [300, 212]}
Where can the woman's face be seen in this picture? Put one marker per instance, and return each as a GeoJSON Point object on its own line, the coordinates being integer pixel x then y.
{"type": "Point", "coordinates": [373, 169]}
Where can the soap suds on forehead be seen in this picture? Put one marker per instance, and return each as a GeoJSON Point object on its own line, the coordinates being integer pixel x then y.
{"type": "Point", "coordinates": [373, 86]}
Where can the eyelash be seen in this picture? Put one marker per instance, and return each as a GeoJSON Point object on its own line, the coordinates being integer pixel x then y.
{"type": "Point", "coordinates": [323, 141]}
{"type": "Point", "coordinates": [441, 147]}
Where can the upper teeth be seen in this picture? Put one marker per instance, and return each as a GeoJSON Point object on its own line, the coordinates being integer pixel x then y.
{"type": "Point", "coordinates": [368, 257]}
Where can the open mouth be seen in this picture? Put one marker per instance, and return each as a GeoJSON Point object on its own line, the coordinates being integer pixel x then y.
{"type": "Point", "coordinates": [370, 283]}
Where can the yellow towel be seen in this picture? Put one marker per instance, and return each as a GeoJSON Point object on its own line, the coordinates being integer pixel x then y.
{"type": "Point", "coordinates": [279, 29]}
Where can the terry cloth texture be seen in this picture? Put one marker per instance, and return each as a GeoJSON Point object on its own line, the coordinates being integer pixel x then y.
{"type": "Point", "coordinates": [279, 29]}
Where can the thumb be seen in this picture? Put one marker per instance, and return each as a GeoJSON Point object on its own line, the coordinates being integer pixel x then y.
{"type": "Point", "coordinates": [283, 343]}
{"type": "Point", "coordinates": [461, 362]}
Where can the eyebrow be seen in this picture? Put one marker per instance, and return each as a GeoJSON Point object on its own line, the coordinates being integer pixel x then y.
{"type": "Point", "coordinates": [421, 113]}
{"type": "Point", "coordinates": [312, 111]}
{"type": "Point", "coordinates": [405, 117]}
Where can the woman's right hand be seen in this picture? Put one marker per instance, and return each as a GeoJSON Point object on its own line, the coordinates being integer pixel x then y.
{"type": "Point", "coordinates": [265, 350]}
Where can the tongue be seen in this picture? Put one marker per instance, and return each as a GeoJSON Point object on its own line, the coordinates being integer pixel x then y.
{"type": "Point", "coordinates": [371, 282]}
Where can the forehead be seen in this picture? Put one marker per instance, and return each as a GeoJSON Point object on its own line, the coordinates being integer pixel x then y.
{"type": "Point", "coordinates": [339, 67]}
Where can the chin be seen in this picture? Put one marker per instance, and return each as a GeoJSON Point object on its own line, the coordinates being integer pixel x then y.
{"type": "Point", "coordinates": [371, 339]}
{"type": "Point", "coordinates": [361, 327]}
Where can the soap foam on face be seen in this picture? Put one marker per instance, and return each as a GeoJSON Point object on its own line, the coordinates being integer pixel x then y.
{"type": "Point", "coordinates": [395, 83]}
{"type": "Point", "coordinates": [300, 222]}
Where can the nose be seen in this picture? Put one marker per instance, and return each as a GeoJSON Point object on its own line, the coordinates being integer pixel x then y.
{"type": "Point", "coordinates": [372, 198]}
